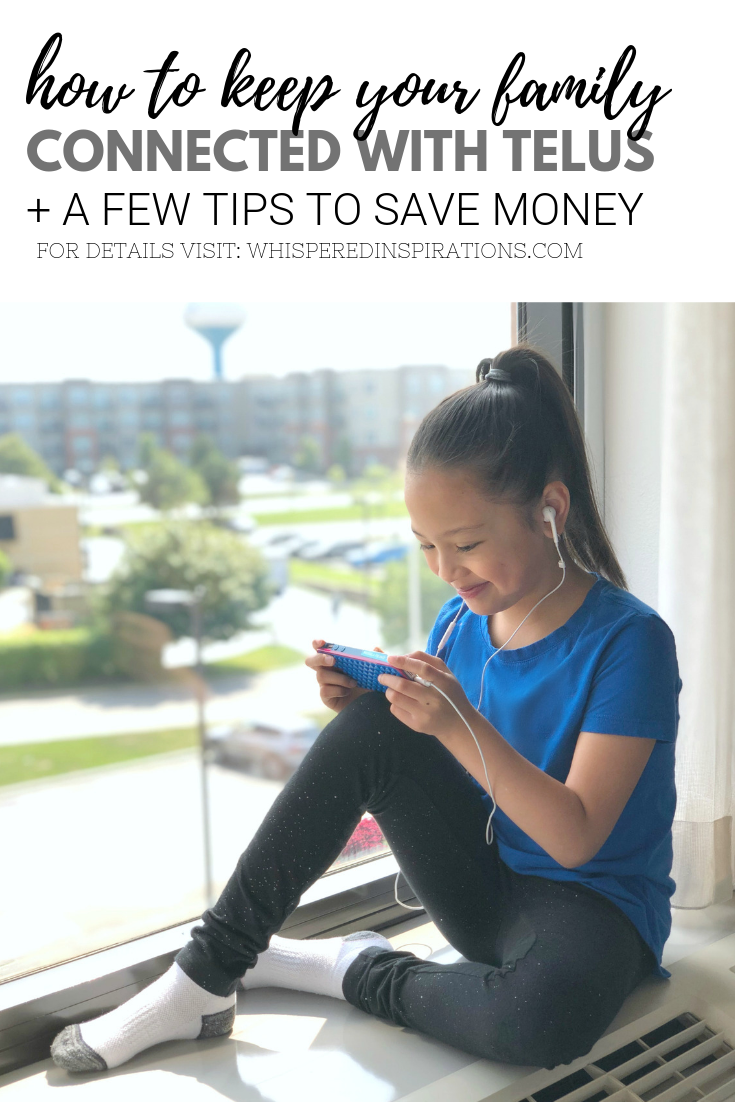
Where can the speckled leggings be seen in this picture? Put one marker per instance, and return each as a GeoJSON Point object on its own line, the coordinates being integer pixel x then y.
{"type": "Point", "coordinates": [548, 964]}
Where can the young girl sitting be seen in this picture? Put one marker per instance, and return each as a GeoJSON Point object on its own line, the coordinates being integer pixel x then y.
{"type": "Point", "coordinates": [525, 783]}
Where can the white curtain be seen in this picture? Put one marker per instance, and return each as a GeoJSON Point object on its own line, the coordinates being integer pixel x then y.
{"type": "Point", "coordinates": [697, 587]}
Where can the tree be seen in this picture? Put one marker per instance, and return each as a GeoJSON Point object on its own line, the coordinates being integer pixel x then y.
{"type": "Point", "coordinates": [170, 483]}
{"type": "Point", "coordinates": [391, 601]}
{"type": "Point", "coordinates": [147, 448]}
{"type": "Point", "coordinates": [219, 474]}
{"type": "Point", "coordinates": [18, 457]}
{"type": "Point", "coordinates": [308, 457]}
{"type": "Point", "coordinates": [342, 453]}
{"type": "Point", "coordinates": [336, 474]}
{"type": "Point", "coordinates": [184, 555]}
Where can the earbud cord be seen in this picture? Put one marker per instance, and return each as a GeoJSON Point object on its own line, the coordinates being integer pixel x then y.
{"type": "Point", "coordinates": [489, 840]}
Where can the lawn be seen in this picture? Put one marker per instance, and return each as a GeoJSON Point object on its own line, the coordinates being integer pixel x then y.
{"type": "Point", "coordinates": [273, 657]}
{"type": "Point", "coordinates": [340, 512]}
{"type": "Point", "coordinates": [33, 760]}
{"type": "Point", "coordinates": [321, 575]}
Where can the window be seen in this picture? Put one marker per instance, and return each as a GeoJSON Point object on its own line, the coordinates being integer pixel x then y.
{"type": "Point", "coordinates": [50, 397]}
{"type": "Point", "coordinates": [102, 397]}
{"type": "Point", "coordinates": [21, 396]}
{"type": "Point", "coordinates": [7, 527]}
{"type": "Point", "coordinates": [143, 883]}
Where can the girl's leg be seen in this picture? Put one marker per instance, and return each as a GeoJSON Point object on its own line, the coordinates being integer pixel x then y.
{"type": "Point", "coordinates": [548, 1008]}
{"type": "Point", "coordinates": [430, 811]}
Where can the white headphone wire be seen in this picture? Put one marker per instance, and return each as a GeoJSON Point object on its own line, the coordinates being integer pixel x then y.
{"type": "Point", "coordinates": [563, 567]}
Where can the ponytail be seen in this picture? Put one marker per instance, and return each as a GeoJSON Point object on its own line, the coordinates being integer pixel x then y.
{"type": "Point", "coordinates": [517, 429]}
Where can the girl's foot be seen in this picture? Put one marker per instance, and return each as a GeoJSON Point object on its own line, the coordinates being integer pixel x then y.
{"type": "Point", "coordinates": [317, 965]}
{"type": "Point", "coordinates": [173, 1008]}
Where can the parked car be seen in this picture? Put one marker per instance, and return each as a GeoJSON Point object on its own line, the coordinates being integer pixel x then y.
{"type": "Point", "coordinates": [242, 523]}
{"type": "Point", "coordinates": [271, 747]}
{"type": "Point", "coordinates": [329, 549]}
{"type": "Point", "coordinates": [290, 543]}
{"type": "Point", "coordinates": [377, 553]}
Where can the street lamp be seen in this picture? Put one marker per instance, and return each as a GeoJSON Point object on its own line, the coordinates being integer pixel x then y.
{"type": "Point", "coordinates": [166, 599]}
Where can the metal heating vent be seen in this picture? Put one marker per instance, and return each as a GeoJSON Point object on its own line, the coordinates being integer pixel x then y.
{"type": "Point", "coordinates": [683, 1060]}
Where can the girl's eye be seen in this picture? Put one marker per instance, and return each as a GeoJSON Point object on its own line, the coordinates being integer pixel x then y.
{"type": "Point", "coordinates": [425, 546]}
{"type": "Point", "coordinates": [470, 547]}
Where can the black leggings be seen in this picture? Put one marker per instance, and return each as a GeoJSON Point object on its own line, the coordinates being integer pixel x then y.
{"type": "Point", "coordinates": [548, 964]}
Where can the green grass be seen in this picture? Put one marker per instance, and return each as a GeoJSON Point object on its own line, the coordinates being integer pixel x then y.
{"type": "Point", "coordinates": [34, 760]}
{"type": "Point", "coordinates": [260, 660]}
{"type": "Point", "coordinates": [340, 512]}
{"type": "Point", "coordinates": [320, 574]}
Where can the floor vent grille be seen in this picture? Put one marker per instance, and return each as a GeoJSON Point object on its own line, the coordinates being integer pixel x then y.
{"type": "Point", "coordinates": [683, 1060]}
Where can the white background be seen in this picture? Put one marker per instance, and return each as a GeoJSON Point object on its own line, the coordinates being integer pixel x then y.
{"type": "Point", "coordinates": [680, 244]}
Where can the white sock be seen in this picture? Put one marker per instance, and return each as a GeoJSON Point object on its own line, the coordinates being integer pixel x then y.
{"type": "Point", "coordinates": [173, 1008]}
{"type": "Point", "coordinates": [317, 965]}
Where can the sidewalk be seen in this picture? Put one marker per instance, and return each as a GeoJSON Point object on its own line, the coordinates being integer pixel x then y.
{"type": "Point", "coordinates": [50, 716]}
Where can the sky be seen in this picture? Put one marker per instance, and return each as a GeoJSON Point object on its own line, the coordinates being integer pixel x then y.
{"type": "Point", "coordinates": [115, 342]}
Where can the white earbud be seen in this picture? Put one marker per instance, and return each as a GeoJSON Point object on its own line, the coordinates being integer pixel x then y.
{"type": "Point", "coordinates": [549, 514]}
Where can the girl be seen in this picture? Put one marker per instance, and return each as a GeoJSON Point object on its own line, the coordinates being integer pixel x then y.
{"type": "Point", "coordinates": [525, 783]}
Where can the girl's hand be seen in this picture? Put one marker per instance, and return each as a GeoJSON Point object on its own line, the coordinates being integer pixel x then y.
{"type": "Point", "coordinates": [421, 707]}
{"type": "Point", "coordinates": [336, 689]}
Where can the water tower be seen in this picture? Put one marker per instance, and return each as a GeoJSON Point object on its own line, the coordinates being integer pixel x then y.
{"type": "Point", "coordinates": [216, 321]}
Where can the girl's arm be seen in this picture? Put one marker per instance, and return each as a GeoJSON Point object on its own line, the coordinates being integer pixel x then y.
{"type": "Point", "coordinates": [570, 820]}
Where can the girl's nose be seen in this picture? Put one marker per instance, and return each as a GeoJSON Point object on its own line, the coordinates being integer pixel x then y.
{"type": "Point", "coordinates": [447, 570]}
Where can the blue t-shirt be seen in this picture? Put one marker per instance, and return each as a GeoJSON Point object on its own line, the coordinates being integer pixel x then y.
{"type": "Point", "coordinates": [612, 669]}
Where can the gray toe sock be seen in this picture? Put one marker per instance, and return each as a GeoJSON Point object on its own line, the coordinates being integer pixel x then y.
{"type": "Point", "coordinates": [71, 1052]}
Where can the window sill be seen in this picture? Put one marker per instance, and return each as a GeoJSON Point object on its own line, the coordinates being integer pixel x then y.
{"type": "Point", "coordinates": [35, 1007]}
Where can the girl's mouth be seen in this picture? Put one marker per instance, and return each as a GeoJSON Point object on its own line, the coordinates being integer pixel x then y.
{"type": "Point", "coordinates": [472, 591]}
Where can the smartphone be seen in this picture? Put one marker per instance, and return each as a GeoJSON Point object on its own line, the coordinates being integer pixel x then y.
{"type": "Point", "coordinates": [364, 666]}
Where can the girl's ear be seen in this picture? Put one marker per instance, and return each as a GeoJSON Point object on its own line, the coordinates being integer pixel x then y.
{"type": "Point", "coordinates": [556, 496]}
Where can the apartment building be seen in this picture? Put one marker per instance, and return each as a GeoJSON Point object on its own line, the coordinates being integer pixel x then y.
{"type": "Point", "coordinates": [369, 415]}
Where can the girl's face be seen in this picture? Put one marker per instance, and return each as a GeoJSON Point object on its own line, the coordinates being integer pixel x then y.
{"type": "Point", "coordinates": [484, 549]}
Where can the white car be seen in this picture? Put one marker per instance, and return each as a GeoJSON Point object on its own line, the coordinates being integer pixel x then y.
{"type": "Point", "coordinates": [271, 746]}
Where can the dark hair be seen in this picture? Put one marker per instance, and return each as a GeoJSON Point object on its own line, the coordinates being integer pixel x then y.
{"type": "Point", "coordinates": [518, 430]}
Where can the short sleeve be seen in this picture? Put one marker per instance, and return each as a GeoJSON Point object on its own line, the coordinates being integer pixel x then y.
{"type": "Point", "coordinates": [636, 685]}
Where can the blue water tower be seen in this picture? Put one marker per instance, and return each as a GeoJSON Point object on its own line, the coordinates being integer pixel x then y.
{"type": "Point", "coordinates": [216, 321]}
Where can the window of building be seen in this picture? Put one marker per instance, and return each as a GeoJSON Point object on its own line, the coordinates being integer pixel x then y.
{"type": "Point", "coordinates": [21, 396]}
{"type": "Point", "coordinates": [7, 527]}
{"type": "Point", "coordinates": [78, 395]}
{"type": "Point", "coordinates": [102, 397]}
{"type": "Point", "coordinates": [50, 397]}
{"type": "Point", "coordinates": [180, 418]}
{"type": "Point", "coordinates": [81, 445]}
{"type": "Point", "coordinates": [79, 420]}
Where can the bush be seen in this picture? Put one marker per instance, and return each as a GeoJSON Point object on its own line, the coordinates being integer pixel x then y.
{"type": "Point", "coordinates": [55, 658]}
